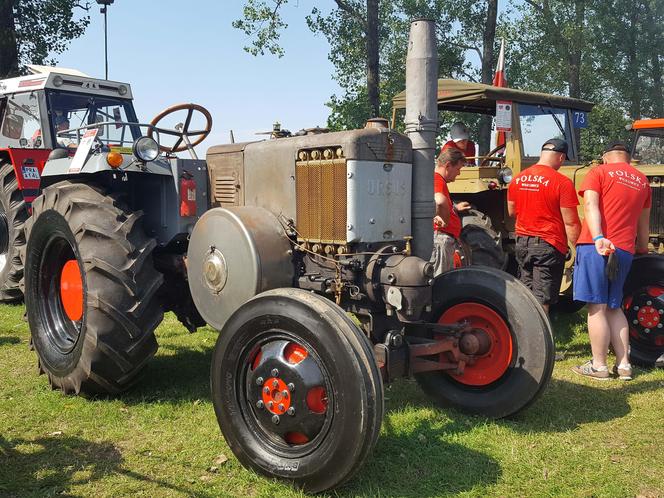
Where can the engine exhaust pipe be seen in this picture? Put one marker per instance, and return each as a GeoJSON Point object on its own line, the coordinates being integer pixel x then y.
{"type": "Point", "coordinates": [421, 127]}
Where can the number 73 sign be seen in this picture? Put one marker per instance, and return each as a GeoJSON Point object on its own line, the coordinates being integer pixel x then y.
{"type": "Point", "coordinates": [580, 119]}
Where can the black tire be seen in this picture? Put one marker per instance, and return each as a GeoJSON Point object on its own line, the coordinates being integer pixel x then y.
{"type": "Point", "coordinates": [102, 349]}
{"type": "Point", "coordinates": [529, 366]}
{"type": "Point", "coordinates": [485, 244]}
{"type": "Point", "coordinates": [338, 354]}
{"type": "Point", "coordinates": [645, 284]}
{"type": "Point", "coordinates": [13, 214]}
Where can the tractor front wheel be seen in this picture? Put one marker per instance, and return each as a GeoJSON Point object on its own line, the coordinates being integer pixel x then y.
{"type": "Point", "coordinates": [296, 389]}
{"type": "Point", "coordinates": [13, 213]}
{"type": "Point", "coordinates": [519, 362]}
{"type": "Point", "coordinates": [90, 289]}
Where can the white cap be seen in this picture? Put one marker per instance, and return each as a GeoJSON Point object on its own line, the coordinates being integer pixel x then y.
{"type": "Point", "coordinates": [459, 131]}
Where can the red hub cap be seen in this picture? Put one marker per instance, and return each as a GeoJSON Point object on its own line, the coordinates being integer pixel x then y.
{"type": "Point", "coordinates": [492, 365]}
{"type": "Point", "coordinates": [276, 396]}
{"type": "Point", "coordinates": [71, 290]}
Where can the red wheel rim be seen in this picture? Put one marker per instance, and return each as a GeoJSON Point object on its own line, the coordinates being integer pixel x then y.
{"type": "Point", "coordinates": [492, 366]}
{"type": "Point", "coordinates": [71, 290]}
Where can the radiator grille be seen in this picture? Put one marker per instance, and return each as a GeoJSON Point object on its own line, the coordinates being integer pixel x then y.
{"type": "Point", "coordinates": [320, 178]}
{"type": "Point", "coordinates": [656, 211]}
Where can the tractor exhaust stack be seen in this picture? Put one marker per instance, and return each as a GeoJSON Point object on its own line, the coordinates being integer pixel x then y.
{"type": "Point", "coordinates": [421, 127]}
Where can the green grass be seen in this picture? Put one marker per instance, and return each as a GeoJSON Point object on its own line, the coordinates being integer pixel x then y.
{"type": "Point", "coordinates": [581, 438]}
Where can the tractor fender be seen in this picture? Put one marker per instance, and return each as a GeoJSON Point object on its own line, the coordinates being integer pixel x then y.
{"type": "Point", "coordinates": [96, 163]}
{"type": "Point", "coordinates": [475, 186]}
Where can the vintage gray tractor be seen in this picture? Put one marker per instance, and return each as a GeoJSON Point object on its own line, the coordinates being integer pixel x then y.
{"type": "Point", "coordinates": [309, 253]}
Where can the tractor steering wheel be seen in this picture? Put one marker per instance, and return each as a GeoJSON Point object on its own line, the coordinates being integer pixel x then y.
{"type": "Point", "coordinates": [179, 146]}
{"type": "Point", "coordinates": [490, 157]}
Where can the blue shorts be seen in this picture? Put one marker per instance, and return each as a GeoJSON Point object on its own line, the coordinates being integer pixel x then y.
{"type": "Point", "coordinates": [591, 285]}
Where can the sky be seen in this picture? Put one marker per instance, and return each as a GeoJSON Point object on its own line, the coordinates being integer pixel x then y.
{"type": "Point", "coordinates": [173, 51]}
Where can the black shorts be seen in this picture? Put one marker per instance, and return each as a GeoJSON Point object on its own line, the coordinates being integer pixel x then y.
{"type": "Point", "coordinates": [540, 267]}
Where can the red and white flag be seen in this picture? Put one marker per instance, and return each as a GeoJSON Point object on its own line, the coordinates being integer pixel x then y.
{"type": "Point", "coordinates": [500, 80]}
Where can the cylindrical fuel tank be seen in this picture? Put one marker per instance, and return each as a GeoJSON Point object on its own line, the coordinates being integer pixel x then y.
{"type": "Point", "coordinates": [233, 255]}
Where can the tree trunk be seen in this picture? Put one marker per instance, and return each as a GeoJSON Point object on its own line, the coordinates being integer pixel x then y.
{"type": "Point", "coordinates": [489, 40]}
{"type": "Point", "coordinates": [8, 47]}
{"type": "Point", "coordinates": [373, 75]}
{"type": "Point", "coordinates": [575, 51]}
{"type": "Point", "coordinates": [632, 64]}
{"type": "Point", "coordinates": [658, 96]}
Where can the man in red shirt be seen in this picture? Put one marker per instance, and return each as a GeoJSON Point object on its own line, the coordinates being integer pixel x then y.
{"type": "Point", "coordinates": [545, 206]}
{"type": "Point", "coordinates": [446, 223]}
{"type": "Point", "coordinates": [461, 141]}
{"type": "Point", "coordinates": [616, 199]}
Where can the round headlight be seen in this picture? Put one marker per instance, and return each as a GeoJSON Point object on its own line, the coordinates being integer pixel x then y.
{"type": "Point", "coordinates": [146, 149]}
{"type": "Point", "coordinates": [505, 175]}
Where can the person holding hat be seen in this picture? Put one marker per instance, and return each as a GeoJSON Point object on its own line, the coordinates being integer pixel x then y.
{"type": "Point", "coordinates": [545, 206]}
{"type": "Point", "coordinates": [460, 140]}
{"type": "Point", "coordinates": [447, 223]}
{"type": "Point", "coordinates": [616, 199]}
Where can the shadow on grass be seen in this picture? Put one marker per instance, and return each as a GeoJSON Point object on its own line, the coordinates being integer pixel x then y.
{"type": "Point", "coordinates": [52, 465]}
{"type": "Point", "coordinates": [4, 340]}
{"type": "Point", "coordinates": [567, 405]}
{"type": "Point", "coordinates": [181, 375]}
{"type": "Point", "coordinates": [421, 461]}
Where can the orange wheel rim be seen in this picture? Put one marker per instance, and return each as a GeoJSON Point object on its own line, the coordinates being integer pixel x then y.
{"type": "Point", "coordinates": [71, 290]}
{"type": "Point", "coordinates": [491, 366]}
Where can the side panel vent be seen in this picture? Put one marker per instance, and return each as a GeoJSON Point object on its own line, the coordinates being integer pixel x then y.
{"type": "Point", "coordinates": [226, 179]}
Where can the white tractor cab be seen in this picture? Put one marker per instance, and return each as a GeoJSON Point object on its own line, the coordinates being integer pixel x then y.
{"type": "Point", "coordinates": [60, 123]}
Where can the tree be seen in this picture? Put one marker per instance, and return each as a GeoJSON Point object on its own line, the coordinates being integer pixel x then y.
{"type": "Point", "coordinates": [31, 31]}
{"type": "Point", "coordinates": [477, 33]}
{"type": "Point", "coordinates": [264, 22]}
{"type": "Point", "coordinates": [345, 28]}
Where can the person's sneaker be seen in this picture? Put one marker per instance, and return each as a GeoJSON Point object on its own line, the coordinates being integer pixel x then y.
{"type": "Point", "coordinates": [587, 370]}
{"type": "Point", "coordinates": [659, 362]}
{"type": "Point", "coordinates": [623, 372]}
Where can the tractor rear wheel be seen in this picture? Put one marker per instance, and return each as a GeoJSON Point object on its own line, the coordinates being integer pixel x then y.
{"type": "Point", "coordinates": [519, 363]}
{"type": "Point", "coordinates": [643, 305]}
{"type": "Point", "coordinates": [13, 214]}
{"type": "Point", "coordinates": [296, 389]}
{"type": "Point", "coordinates": [90, 289]}
{"type": "Point", "coordinates": [477, 232]}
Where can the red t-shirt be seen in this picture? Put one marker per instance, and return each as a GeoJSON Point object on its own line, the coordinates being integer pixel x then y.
{"type": "Point", "coordinates": [454, 226]}
{"type": "Point", "coordinates": [469, 152]}
{"type": "Point", "coordinates": [538, 193]}
{"type": "Point", "coordinates": [623, 193]}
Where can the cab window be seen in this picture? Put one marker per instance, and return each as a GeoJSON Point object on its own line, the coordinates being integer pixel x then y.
{"type": "Point", "coordinates": [71, 111]}
{"type": "Point", "coordinates": [649, 147]}
{"type": "Point", "coordinates": [540, 123]}
{"type": "Point", "coordinates": [21, 122]}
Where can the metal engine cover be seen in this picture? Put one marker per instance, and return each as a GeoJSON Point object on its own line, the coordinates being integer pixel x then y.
{"type": "Point", "coordinates": [233, 255]}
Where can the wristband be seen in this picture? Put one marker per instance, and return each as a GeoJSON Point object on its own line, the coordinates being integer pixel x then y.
{"type": "Point", "coordinates": [600, 236]}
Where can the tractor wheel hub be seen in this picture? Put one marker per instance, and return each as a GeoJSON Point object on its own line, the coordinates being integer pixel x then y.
{"type": "Point", "coordinates": [215, 270]}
